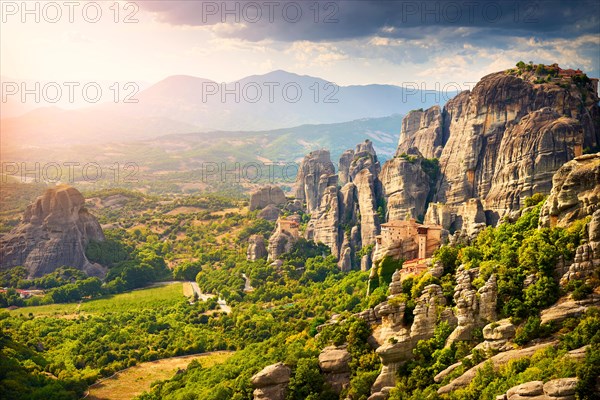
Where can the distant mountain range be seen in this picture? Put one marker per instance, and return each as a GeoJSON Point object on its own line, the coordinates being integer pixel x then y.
{"type": "Point", "coordinates": [185, 104]}
{"type": "Point", "coordinates": [178, 159]}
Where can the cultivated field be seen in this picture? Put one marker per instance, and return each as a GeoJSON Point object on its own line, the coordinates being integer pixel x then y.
{"type": "Point", "coordinates": [135, 380]}
{"type": "Point", "coordinates": [159, 296]}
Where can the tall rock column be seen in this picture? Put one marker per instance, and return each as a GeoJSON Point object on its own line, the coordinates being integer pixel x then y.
{"type": "Point", "coordinates": [324, 222]}
{"type": "Point", "coordinates": [405, 186]}
{"type": "Point", "coordinates": [364, 173]}
{"type": "Point", "coordinates": [315, 174]}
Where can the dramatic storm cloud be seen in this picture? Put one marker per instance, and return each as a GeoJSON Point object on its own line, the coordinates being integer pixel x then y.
{"type": "Point", "coordinates": [347, 42]}
{"type": "Point", "coordinates": [336, 20]}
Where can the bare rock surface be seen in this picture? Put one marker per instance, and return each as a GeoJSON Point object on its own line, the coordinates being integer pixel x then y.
{"type": "Point", "coordinates": [266, 195]}
{"type": "Point", "coordinates": [256, 248]}
{"type": "Point", "coordinates": [575, 192]}
{"type": "Point", "coordinates": [54, 232]}
{"type": "Point", "coordinates": [271, 383]}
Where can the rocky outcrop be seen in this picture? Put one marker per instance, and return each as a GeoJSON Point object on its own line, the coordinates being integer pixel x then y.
{"type": "Point", "coordinates": [266, 195]}
{"type": "Point", "coordinates": [470, 218]}
{"type": "Point", "coordinates": [270, 213]}
{"type": "Point", "coordinates": [345, 259]}
{"type": "Point", "coordinates": [497, 336]}
{"type": "Point", "coordinates": [474, 308]}
{"type": "Point", "coordinates": [348, 205]}
{"type": "Point", "coordinates": [509, 135]}
{"type": "Point", "coordinates": [344, 219]}
{"type": "Point", "coordinates": [423, 130]}
{"type": "Point", "coordinates": [556, 389]}
{"type": "Point", "coordinates": [335, 365]}
{"type": "Point", "coordinates": [256, 248]}
{"type": "Point", "coordinates": [293, 205]}
{"type": "Point", "coordinates": [271, 383]}
{"type": "Point", "coordinates": [365, 157]}
{"type": "Point", "coordinates": [54, 232]}
{"type": "Point", "coordinates": [405, 186]}
{"type": "Point", "coordinates": [440, 214]}
{"type": "Point", "coordinates": [575, 192]}
{"type": "Point", "coordinates": [568, 309]}
{"type": "Point", "coordinates": [502, 141]}
{"type": "Point", "coordinates": [280, 242]}
{"type": "Point", "coordinates": [525, 166]}
{"type": "Point", "coordinates": [575, 195]}
{"type": "Point", "coordinates": [316, 173]}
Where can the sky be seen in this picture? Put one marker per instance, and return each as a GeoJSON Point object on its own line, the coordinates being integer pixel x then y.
{"type": "Point", "coordinates": [346, 42]}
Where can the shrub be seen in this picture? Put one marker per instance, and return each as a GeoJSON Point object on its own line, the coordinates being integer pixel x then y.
{"type": "Point", "coordinates": [534, 200]}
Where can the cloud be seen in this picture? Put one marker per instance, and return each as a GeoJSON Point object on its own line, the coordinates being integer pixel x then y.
{"type": "Point", "coordinates": [295, 20]}
{"type": "Point", "coordinates": [310, 53]}
{"type": "Point", "coordinates": [441, 37]}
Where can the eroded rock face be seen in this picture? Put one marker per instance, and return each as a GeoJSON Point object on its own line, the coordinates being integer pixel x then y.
{"type": "Point", "coordinates": [346, 218]}
{"type": "Point", "coordinates": [315, 174]}
{"type": "Point", "coordinates": [423, 130]}
{"type": "Point", "coordinates": [405, 186]}
{"type": "Point", "coordinates": [54, 232]}
{"type": "Point", "coordinates": [345, 259]}
{"type": "Point", "coordinates": [266, 195]}
{"type": "Point", "coordinates": [556, 138]}
{"type": "Point", "coordinates": [440, 214]}
{"type": "Point", "coordinates": [348, 205]}
{"type": "Point", "coordinates": [575, 192]}
{"type": "Point", "coordinates": [256, 248]}
{"type": "Point", "coordinates": [335, 365]}
{"type": "Point", "coordinates": [363, 172]}
{"type": "Point", "coordinates": [470, 218]}
{"type": "Point", "coordinates": [508, 136]}
{"type": "Point", "coordinates": [568, 309]}
{"type": "Point", "coordinates": [271, 383]}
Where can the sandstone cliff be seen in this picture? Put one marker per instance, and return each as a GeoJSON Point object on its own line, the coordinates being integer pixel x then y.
{"type": "Point", "coordinates": [54, 232]}
{"type": "Point", "coordinates": [509, 135]}
{"type": "Point", "coordinates": [423, 130]}
{"type": "Point", "coordinates": [500, 142]}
